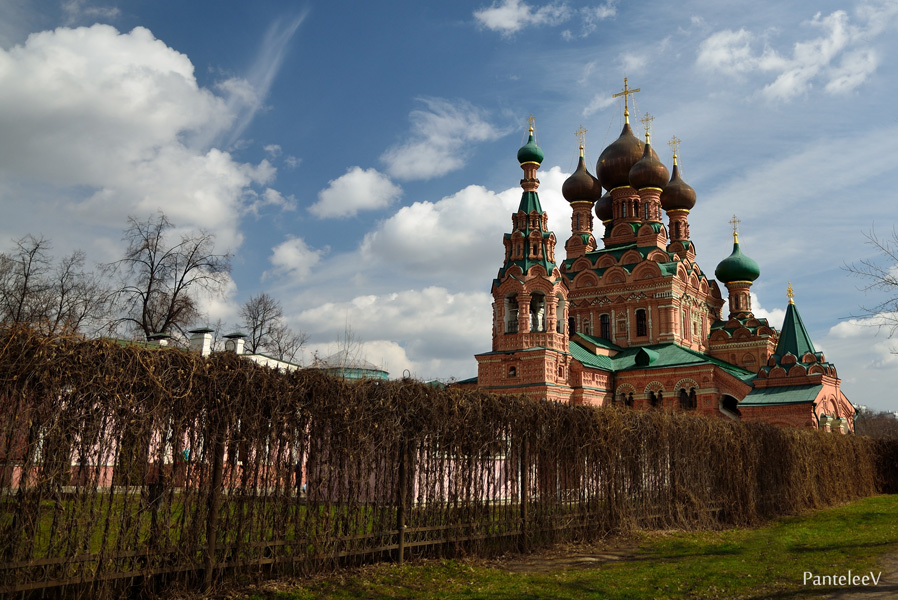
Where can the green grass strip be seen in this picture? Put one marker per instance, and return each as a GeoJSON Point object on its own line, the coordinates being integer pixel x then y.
{"type": "Point", "coordinates": [735, 563]}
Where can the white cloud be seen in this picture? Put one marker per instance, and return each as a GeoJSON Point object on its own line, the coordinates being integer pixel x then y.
{"type": "Point", "coordinates": [273, 150]}
{"type": "Point", "coordinates": [774, 316]}
{"type": "Point", "coordinates": [356, 190]}
{"type": "Point", "coordinates": [839, 60]}
{"type": "Point", "coordinates": [111, 120]}
{"type": "Point", "coordinates": [599, 101]}
{"type": "Point", "coordinates": [452, 237]}
{"type": "Point", "coordinates": [430, 323]}
{"type": "Point", "coordinates": [78, 10]}
{"type": "Point", "coordinates": [440, 139]}
{"type": "Point", "coordinates": [293, 259]}
{"type": "Point", "coordinates": [510, 16]}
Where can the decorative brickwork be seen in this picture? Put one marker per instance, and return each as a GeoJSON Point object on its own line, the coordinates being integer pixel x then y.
{"type": "Point", "coordinates": [638, 323]}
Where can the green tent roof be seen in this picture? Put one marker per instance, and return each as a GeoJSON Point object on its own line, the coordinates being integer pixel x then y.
{"type": "Point", "coordinates": [794, 337]}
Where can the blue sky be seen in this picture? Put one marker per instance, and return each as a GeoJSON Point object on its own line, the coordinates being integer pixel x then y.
{"type": "Point", "coordinates": [358, 158]}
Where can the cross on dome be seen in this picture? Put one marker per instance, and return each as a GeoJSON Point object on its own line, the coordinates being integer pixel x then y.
{"type": "Point", "coordinates": [626, 93]}
{"type": "Point", "coordinates": [581, 135]}
{"type": "Point", "coordinates": [735, 223]}
{"type": "Point", "coordinates": [647, 125]}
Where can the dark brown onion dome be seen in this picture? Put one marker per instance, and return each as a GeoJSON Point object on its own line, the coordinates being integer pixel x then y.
{"type": "Point", "coordinates": [615, 162]}
{"type": "Point", "coordinates": [649, 171]}
{"type": "Point", "coordinates": [581, 186]}
{"type": "Point", "coordinates": [605, 208]}
{"type": "Point", "coordinates": [677, 194]}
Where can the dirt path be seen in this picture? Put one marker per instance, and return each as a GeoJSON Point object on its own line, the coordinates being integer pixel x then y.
{"type": "Point", "coordinates": [887, 588]}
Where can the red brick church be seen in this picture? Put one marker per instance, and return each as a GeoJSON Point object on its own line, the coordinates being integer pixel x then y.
{"type": "Point", "coordinates": [637, 321]}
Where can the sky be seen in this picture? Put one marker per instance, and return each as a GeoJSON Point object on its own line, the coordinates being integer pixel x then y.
{"type": "Point", "coordinates": [358, 158]}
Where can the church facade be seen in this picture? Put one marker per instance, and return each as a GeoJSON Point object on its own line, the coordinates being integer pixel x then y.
{"type": "Point", "coordinates": [632, 319]}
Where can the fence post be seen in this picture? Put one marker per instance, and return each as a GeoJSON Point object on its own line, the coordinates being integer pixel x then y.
{"type": "Point", "coordinates": [214, 507]}
{"type": "Point", "coordinates": [525, 488]}
{"type": "Point", "coordinates": [400, 500]}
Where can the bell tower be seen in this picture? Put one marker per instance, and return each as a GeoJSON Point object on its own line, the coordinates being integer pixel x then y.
{"type": "Point", "coordinates": [530, 305]}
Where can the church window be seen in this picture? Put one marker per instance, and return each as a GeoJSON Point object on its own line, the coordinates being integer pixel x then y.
{"type": "Point", "coordinates": [537, 313]}
{"type": "Point", "coordinates": [571, 325]}
{"type": "Point", "coordinates": [655, 400]}
{"type": "Point", "coordinates": [511, 314]}
{"type": "Point", "coordinates": [623, 206]}
{"type": "Point", "coordinates": [687, 399]}
{"type": "Point", "coordinates": [559, 315]}
{"type": "Point", "coordinates": [605, 326]}
{"type": "Point", "coordinates": [641, 323]}
{"type": "Point", "coordinates": [512, 371]}
{"type": "Point", "coordinates": [647, 207]}
{"type": "Point", "coordinates": [561, 372]}
{"type": "Point", "coordinates": [535, 249]}
{"type": "Point", "coordinates": [629, 400]}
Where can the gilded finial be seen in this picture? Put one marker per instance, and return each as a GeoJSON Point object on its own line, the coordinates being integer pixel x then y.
{"type": "Point", "coordinates": [674, 143]}
{"type": "Point", "coordinates": [735, 223]}
{"type": "Point", "coordinates": [530, 121]}
{"type": "Point", "coordinates": [790, 294]}
{"type": "Point", "coordinates": [581, 135]}
{"type": "Point", "coordinates": [625, 93]}
{"type": "Point", "coordinates": [647, 125]}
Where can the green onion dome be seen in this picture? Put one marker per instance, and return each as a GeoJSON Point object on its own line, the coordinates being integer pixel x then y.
{"type": "Point", "coordinates": [649, 171]}
{"type": "Point", "coordinates": [677, 194]}
{"type": "Point", "coordinates": [605, 208]}
{"type": "Point", "coordinates": [581, 186]}
{"type": "Point", "coordinates": [615, 162]}
{"type": "Point", "coordinates": [737, 266]}
{"type": "Point", "coordinates": [530, 152]}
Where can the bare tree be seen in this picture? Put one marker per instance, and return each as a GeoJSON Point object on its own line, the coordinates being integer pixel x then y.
{"type": "Point", "coordinates": [160, 277]}
{"type": "Point", "coordinates": [875, 424]}
{"type": "Point", "coordinates": [880, 274]}
{"type": "Point", "coordinates": [267, 329]}
{"type": "Point", "coordinates": [60, 299]}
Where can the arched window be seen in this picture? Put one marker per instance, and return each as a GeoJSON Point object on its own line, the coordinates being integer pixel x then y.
{"type": "Point", "coordinates": [629, 401]}
{"type": "Point", "coordinates": [511, 314]}
{"type": "Point", "coordinates": [559, 314]}
{"type": "Point", "coordinates": [687, 399]}
{"type": "Point", "coordinates": [647, 217]}
{"type": "Point", "coordinates": [537, 313]}
{"type": "Point", "coordinates": [641, 323]}
{"type": "Point", "coordinates": [656, 400]}
{"type": "Point", "coordinates": [605, 326]}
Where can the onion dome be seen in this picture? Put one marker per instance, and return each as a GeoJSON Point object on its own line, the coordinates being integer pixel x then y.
{"type": "Point", "coordinates": [615, 162]}
{"type": "Point", "coordinates": [649, 171]}
{"type": "Point", "coordinates": [605, 208]}
{"type": "Point", "coordinates": [581, 186]}
{"type": "Point", "coordinates": [530, 152]}
{"type": "Point", "coordinates": [737, 266]}
{"type": "Point", "coordinates": [677, 195]}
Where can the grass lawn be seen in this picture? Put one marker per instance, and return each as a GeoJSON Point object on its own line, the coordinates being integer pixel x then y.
{"type": "Point", "coordinates": [736, 563]}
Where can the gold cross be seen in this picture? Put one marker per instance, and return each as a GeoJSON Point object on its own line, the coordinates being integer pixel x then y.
{"type": "Point", "coordinates": [674, 143]}
{"type": "Point", "coordinates": [581, 135]}
{"type": "Point", "coordinates": [531, 120]}
{"type": "Point", "coordinates": [790, 293]}
{"type": "Point", "coordinates": [735, 223]}
{"type": "Point", "coordinates": [647, 124]}
{"type": "Point", "coordinates": [625, 93]}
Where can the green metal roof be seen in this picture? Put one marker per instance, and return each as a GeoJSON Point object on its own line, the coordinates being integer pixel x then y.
{"type": "Point", "coordinates": [794, 337]}
{"type": "Point", "coordinates": [737, 267]}
{"type": "Point", "coordinates": [788, 394]}
{"type": "Point", "coordinates": [657, 356]}
{"type": "Point", "coordinates": [588, 359]}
